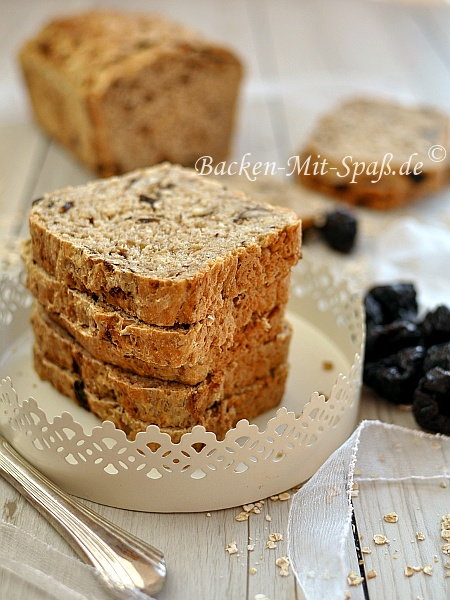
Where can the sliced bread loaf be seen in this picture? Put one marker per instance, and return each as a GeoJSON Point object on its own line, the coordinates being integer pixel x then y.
{"type": "Point", "coordinates": [182, 353]}
{"type": "Point", "coordinates": [124, 90]}
{"type": "Point", "coordinates": [165, 403]}
{"type": "Point", "coordinates": [164, 244]}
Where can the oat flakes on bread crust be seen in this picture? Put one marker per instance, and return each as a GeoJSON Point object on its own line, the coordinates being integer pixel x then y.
{"type": "Point", "coordinates": [164, 244]}
{"type": "Point", "coordinates": [123, 90]}
{"type": "Point", "coordinates": [368, 129]}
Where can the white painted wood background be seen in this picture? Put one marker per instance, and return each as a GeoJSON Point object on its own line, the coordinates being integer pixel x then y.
{"type": "Point", "coordinates": [300, 57]}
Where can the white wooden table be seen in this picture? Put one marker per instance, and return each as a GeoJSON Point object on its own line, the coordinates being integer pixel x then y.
{"type": "Point", "coordinates": [300, 57]}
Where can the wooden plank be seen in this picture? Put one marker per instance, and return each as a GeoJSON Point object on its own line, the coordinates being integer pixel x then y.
{"type": "Point", "coordinates": [194, 546]}
{"type": "Point", "coordinates": [267, 579]}
{"type": "Point", "coordinates": [329, 51]}
{"type": "Point", "coordinates": [299, 56]}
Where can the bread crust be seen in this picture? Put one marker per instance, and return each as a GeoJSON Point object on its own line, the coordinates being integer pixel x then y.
{"type": "Point", "coordinates": [265, 394]}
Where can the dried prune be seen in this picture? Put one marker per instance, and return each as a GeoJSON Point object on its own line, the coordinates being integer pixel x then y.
{"type": "Point", "coordinates": [339, 230]}
{"type": "Point", "coordinates": [65, 207]}
{"type": "Point", "coordinates": [431, 404]}
{"type": "Point", "coordinates": [80, 394]}
{"type": "Point", "coordinates": [374, 314]}
{"type": "Point", "coordinates": [436, 325]}
{"type": "Point", "coordinates": [383, 340]}
{"type": "Point", "coordinates": [149, 199]}
{"type": "Point", "coordinates": [397, 301]}
{"type": "Point", "coordinates": [396, 376]}
{"type": "Point", "coordinates": [437, 356]}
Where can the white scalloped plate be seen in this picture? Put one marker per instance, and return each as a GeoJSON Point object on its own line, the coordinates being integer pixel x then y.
{"type": "Point", "coordinates": [277, 451]}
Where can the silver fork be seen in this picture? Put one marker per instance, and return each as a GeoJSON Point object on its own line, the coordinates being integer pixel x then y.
{"type": "Point", "coordinates": [124, 562]}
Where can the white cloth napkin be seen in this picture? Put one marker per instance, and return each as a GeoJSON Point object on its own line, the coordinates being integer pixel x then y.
{"type": "Point", "coordinates": [45, 573]}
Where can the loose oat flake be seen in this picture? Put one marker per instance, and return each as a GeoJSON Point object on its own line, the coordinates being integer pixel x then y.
{"type": "Point", "coordinates": [445, 533]}
{"type": "Point", "coordinates": [380, 539]}
{"type": "Point", "coordinates": [409, 571]}
{"type": "Point", "coordinates": [283, 563]}
{"type": "Point", "coordinates": [268, 518]}
{"type": "Point", "coordinates": [354, 579]}
{"type": "Point", "coordinates": [231, 548]}
{"type": "Point", "coordinates": [242, 516]}
{"type": "Point", "coordinates": [284, 496]}
{"type": "Point", "coordinates": [366, 550]}
{"type": "Point", "coordinates": [420, 536]}
{"type": "Point", "coordinates": [252, 571]}
{"type": "Point", "coordinates": [271, 545]}
{"type": "Point", "coordinates": [371, 574]}
{"type": "Point", "coordinates": [275, 537]}
{"type": "Point", "coordinates": [391, 517]}
{"type": "Point", "coordinates": [428, 569]}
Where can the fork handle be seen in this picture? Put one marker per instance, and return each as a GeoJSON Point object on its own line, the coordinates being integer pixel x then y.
{"type": "Point", "coordinates": [124, 563]}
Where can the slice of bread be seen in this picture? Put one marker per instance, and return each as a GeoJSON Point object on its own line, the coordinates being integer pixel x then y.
{"type": "Point", "coordinates": [124, 90]}
{"type": "Point", "coordinates": [164, 244]}
{"type": "Point", "coordinates": [165, 403]}
{"type": "Point", "coordinates": [186, 354]}
{"type": "Point", "coordinates": [264, 394]}
{"type": "Point", "coordinates": [369, 132]}
{"type": "Point", "coordinates": [257, 347]}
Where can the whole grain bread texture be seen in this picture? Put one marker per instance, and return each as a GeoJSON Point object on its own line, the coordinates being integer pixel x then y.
{"type": "Point", "coordinates": [256, 348]}
{"type": "Point", "coordinates": [165, 244]}
{"type": "Point", "coordinates": [257, 398]}
{"type": "Point", "coordinates": [182, 353]}
{"type": "Point", "coordinates": [123, 90]}
{"type": "Point", "coordinates": [212, 403]}
{"type": "Point", "coordinates": [366, 130]}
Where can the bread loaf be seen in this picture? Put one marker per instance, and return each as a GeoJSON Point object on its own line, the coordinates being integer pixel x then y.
{"type": "Point", "coordinates": [123, 90]}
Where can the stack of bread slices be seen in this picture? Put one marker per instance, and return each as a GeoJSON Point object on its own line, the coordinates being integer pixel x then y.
{"type": "Point", "coordinates": [160, 299]}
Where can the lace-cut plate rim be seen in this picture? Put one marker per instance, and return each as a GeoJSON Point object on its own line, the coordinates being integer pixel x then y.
{"type": "Point", "coordinates": [277, 451]}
